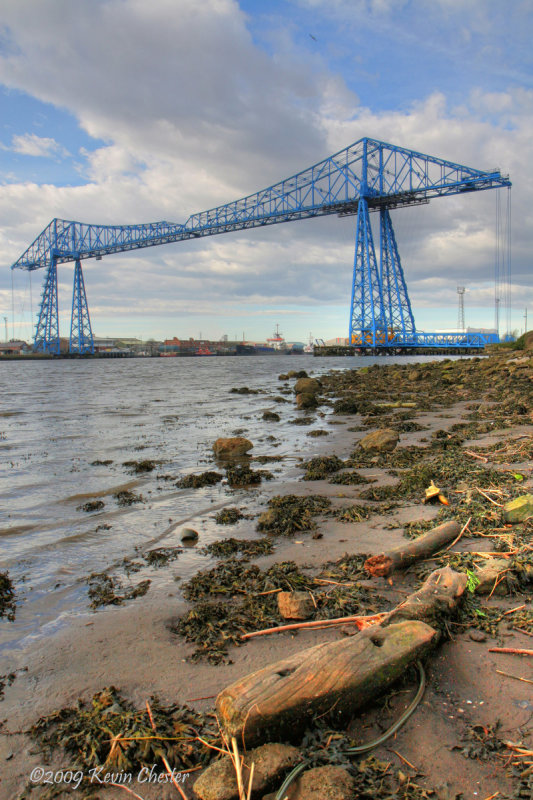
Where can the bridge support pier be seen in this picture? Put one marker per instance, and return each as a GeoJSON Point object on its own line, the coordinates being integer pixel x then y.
{"type": "Point", "coordinates": [397, 303]}
{"type": "Point", "coordinates": [81, 335]}
{"type": "Point", "coordinates": [47, 330]}
{"type": "Point", "coordinates": [380, 305]}
{"type": "Point", "coordinates": [367, 319]}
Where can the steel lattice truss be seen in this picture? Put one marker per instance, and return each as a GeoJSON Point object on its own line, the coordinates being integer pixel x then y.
{"type": "Point", "coordinates": [368, 175]}
{"type": "Point", "coordinates": [384, 174]}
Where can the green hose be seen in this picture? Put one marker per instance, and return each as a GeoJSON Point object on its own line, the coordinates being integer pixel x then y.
{"type": "Point", "coordinates": [364, 748]}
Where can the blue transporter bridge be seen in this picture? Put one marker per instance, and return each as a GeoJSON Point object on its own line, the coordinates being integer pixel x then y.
{"type": "Point", "coordinates": [368, 176]}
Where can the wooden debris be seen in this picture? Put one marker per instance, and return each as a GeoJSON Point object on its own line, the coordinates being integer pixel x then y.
{"type": "Point", "coordinates": [435, 601]}
{"type": "Point", "coordinates": [338, 678]}
{"type": "Point", "coordinates": [401, 557]}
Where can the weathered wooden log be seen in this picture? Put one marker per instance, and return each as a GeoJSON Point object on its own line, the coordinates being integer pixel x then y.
{"type": "Point", "coordinates": [434, 602]}
{"type": "Point", "coordinates": [279, 700]}
{"type": "Point", "coordinates": [401, 557]}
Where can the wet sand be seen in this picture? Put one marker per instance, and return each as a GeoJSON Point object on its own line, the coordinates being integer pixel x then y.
{"type": "Point", "coordinates": [132, 648]}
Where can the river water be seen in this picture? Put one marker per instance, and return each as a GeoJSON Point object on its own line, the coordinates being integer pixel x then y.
{"type": "Point", "coordinates": [59, 417]}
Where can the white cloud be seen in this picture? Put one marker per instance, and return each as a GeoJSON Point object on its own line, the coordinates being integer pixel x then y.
{"type": "Point", "coordinates": [29, 144]}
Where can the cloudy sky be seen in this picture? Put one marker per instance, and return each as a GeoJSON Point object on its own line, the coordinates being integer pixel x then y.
{"type": "Point", "coordinates": [124, 111]}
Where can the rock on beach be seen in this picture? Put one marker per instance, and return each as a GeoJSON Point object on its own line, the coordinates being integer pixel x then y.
{"type": "Point", "coordinates": [272, 761]}
{"type": "Point", "coordinates": [306, 400]}
{"type": "Point", "coordinates": [307, 386]}
{"type": "Point", "coordinates": [233, 446]}
{"type": "Point", "coordinates": [295, 605]}
{"type": "Point", "coordinates": [384, 440]}
{"type": "Point", "coordinates": [519, 509]}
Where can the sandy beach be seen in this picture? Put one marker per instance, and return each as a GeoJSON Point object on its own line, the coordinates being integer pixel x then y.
{"type": "Point", "coordinates": [135, 648]}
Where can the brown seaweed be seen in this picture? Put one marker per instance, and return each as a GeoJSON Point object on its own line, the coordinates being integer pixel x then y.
{"type": "Point", "coordinates": [7, 597]}
{"type": "Point", "coordinates": [208, 478]}
{"type": "Point", "coordinates": [290, 513]}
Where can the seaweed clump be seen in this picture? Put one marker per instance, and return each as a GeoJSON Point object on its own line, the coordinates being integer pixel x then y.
{"type": "Point", "coordinates": [7, 597]}
{"type": "Point", "coordinates": [353, 513]}
{"type": "Point", "coordinates": [322, 467]}
{"type": "Point", "coordinates": [290, 513]}
{"type": "Point", "coordinates": [161, 556]}
{"type": "Point", "coordinates": [242, 475]}
{"type": "Point", "coordinates": [139, 467]}
{"type": "Point", "coordinates": [244, 390]}
{"type": "Point", "coordinates": [351, 478]}
{"type": "Point", "coordinates": [271, 416]}
{"type": "Point", "coordinates": [105, 590]}
{"type": "Point", "coordinates": [92, 505]}
{"type": "Point", "coordinates": [229, 516]}
{"type": "Point", "coordinates": [249, 600]}
{"type": "Point", "coordinates": [213, 626]}
{"type": "Point", "coordinates": [446, 469]}
{"type": "Point", "coordinates": [126, 498]}
{"type": "Point", "coordinates": [246, 548]}
{"type": "Point", "coordinates": [233, 577]}
{"type": "Point", "coordinates": [481, 742]}
{"type": "Point", "coordinates": [109, 732]}
{"type": "Point", "coordinates": [208, 478]}
{"type": "Point", "coordinates": [350, 567]}
{"type": "Point", "coordinates": [6, 680]}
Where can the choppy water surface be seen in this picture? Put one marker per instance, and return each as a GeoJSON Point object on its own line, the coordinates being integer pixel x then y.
{"type": "Point", "coordinates": [59, 417]}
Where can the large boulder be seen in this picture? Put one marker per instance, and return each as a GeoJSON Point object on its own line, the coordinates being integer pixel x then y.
{"type": "Point", "coordinates": [384, 440]}
{"type": "Point", "coordinates": [272, 762]}
{"type": "Point", "coordinates": [519, 509]}
{"type": "Point", "coordinates": [307, 386]}
{"type": "Point", "coordinates": [234, 446]}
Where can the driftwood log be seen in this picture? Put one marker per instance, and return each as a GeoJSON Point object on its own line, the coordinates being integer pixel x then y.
{"type": "Point", "coordinates": [279, 700]}
{"type": "Point", "coordinates": [435, 601]}
{"type": "Point", "coordinates": [401, 557]}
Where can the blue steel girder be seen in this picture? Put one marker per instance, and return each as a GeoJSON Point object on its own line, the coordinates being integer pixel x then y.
{"type": "Point", "coordinates": [81, 335]}
{"type": "Point", "coordinates": [443, 340]}
{"type": "Point", "coordinates": [368, 322]}
{"type": "Point", "coordinates": [47, 330]}
{"type": "Point", "coordinates": [395, 296]}
{"type": "Point", "coordinates": [382, 173]}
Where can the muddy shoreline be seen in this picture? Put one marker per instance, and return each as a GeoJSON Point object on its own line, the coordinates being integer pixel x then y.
{"type": "Point", "coordinates": [459, 406]}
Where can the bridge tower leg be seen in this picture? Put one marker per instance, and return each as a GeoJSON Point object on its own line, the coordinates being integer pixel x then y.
{"type": "Point", "coordinates": [81, 335]}
{"type": "Point", "coordinates": [368, 324]}
{"type": "Point", "coordinates": [47, 330]}
{"type": "Point", "coordinates": [397, 304]}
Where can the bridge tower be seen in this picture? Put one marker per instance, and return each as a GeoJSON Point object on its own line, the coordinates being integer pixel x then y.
{"type": "Point", "coordinates": [81, 335]}
{"type": "Point", "coordinates": [380, 305]}
{"type": "Point", "coordinates": [47, 331]}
